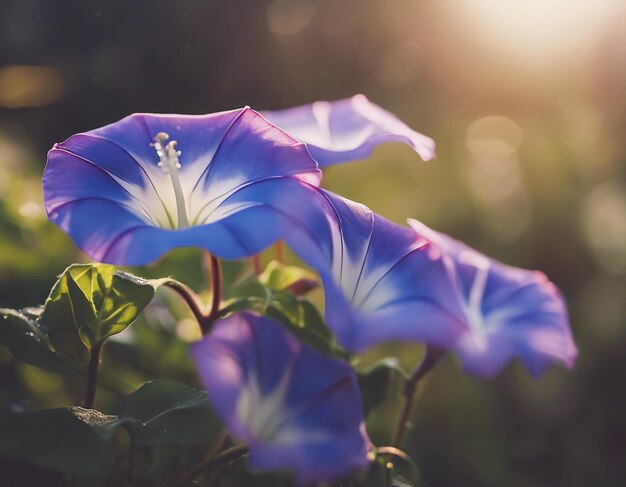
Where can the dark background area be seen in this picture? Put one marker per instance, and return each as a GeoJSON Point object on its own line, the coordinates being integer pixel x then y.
{"type": "Point", "coordinates": [526, 100]}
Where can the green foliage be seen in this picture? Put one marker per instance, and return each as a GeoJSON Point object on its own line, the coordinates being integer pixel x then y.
{"type": "Point", "coordinates": [81, 441]}
{"type": "Point", "coordinates": [28, 342]}
{"type": "Point", "coordinates": [71, 440]}
{"type": "Point", "coordinates": [280, 277]}
{"type": "Point", "coordinates": [88, 303]}
{"type": "Point", "coordinates": [163, 429]}
{"type": "Point", "coordinates": [104, 301]}
{"type": "Point", "coordinates": [374, 382]}
{"type": "Point", "coordinates": [274, 299]}
{"type": "Point", "coordinates": [166, 412]}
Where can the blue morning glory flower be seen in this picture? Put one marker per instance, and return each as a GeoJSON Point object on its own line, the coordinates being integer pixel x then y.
{"type": "Point", "coordinates": [128, 192]}
{"type": "Point", "coordinates": [386, 282]}
{"type": "Point", "coordinates": [348, 129]}
{"type": "Point", "coordinates": [382, 281]}
{"type": "Point", "coordinates": [509, 312]}
{"type": "Point", "coordinates": [296, 409]}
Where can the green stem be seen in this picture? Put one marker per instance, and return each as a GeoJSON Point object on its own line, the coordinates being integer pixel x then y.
{"type": "Point", "coordinates": [388, 474]}
{"type": "Point", "coordinates": [92, 375]}
{"type": "Point", "coordinates": [430, 359]}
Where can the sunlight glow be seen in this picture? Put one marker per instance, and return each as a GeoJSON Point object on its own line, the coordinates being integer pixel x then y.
{"type": "Point", "coordinates": [540, 30]}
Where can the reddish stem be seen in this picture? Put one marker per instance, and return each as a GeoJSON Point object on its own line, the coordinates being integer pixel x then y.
{"type": "Point", "coordinates": [431, 358]}
{"type": "Point", "coordinates": [205, 318]}
{"type": "Point", "coordinates": [256, 264]}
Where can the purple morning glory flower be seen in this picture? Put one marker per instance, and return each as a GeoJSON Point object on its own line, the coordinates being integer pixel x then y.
{"type": "Point", "coordinates": [128, 192]}
{"type": "Point", "coordinates": [382, 281]}
{"type": "Point", "coordinates": [348, 129]}
{"type": "Point", "coordinates": [509, 312]}
{"type": "Point", "coordinates": [296, 409]}
{"type": "Point", "coordinates": [386, 282]}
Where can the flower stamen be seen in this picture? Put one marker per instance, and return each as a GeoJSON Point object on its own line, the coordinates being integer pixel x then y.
{"type": "Point", "coordinates": [168, 161]}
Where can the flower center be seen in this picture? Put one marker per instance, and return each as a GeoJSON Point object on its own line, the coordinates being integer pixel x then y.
{"type": "Point", "coordinates": [263, 413]}
{"type": "Point", "coordinates": [168, 161]}
{"type": "Point", "coordinates": [473, 305]}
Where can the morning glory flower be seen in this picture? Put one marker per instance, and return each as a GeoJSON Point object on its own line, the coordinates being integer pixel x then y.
{"type": "Point", "coordinates": [385, 282]}
{"type": "Point", "coordinates": [348, 129]}
{"type": "Point", "coordinates": [509, 312]}
{"type": "Point", "coordinates": [296, 409]}
{"type": "Point", "coordinates": [129, 192]}
{"type": "Point", "coordinates": [382, 281]}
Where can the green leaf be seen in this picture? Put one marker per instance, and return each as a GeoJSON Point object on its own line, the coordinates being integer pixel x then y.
{"type": "Point", "coordinates": [88, 303]}
{"type": "Point", "coordinates": [104, 301]}
{"type": "Point", "coordinates": [374, 382]}
{"type": "Point", "coordinates": [170, 413]}
{"type": "Point", "coordinates": [303, 319]}
{"type": "Point", "coordinates": [253, 303]}
{"type": "Point", "coordinates": [71, 440]}
{"type": "Point", "coordinates": [79, 441]}
{"type": "Point", "coordinates": [105, 425]}
{"type": "Point", "coordinates": [270, 294]}
{"type": "Point", "coordinates": [280, 277]}
{"type": "Point", "coordinates": [27, 342]}
{"type": "Point", "coordinates": [57, 319]}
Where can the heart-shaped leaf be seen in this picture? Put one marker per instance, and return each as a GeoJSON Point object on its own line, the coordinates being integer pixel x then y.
{"type": "Point", "coordinates": [71, 440]}
{"type": "Point", "coordinates": [23, 336]}
{"type": "Point", "coordinates": [170, 413]}
{"type": "Point", "coordinates": [374, 382]}
{"type": "Point", "coordinates": [88, 303]}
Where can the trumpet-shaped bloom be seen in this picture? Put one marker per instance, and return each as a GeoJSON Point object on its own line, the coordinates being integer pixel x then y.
{"type": "Point", "coordinates": [382, 281]}
{"type": "Point", "coordinates": [509, 312]}
{"type": "Point", "coordinates": [386, 282]}
{"type": "Point", "coordinates": [128, 192]}
{"type": "Point", "coordinates": [295, 408]}
{"type": "Point", "coordinates": [348, 129]}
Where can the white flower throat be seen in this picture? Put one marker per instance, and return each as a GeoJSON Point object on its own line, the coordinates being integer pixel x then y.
{"type": "Point", "coordinates": [168, 161]}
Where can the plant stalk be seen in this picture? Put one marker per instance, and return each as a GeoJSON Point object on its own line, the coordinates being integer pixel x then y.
{"type": "Point", "coordinates": [205, 318]}
{"type": "Point", "coordinates": [92, 375]}
{"type": "Point", "coordinates": [215, 275]}
{"type": "Point", "coordinates": [193, 303]}
{"type": "Point", "coordinates": [430, 359]}
{"type": "Point", "coordinates": [280, 252]}
{"type": "Point", "coordinates": [256, 264]}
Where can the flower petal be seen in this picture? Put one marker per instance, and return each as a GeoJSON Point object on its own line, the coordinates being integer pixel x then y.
{"type": "Point", "coordinates": [296, 409]}
{"type": "Point", "coordinates": [105, 189]}
{"type": "Point", "coordinates": [348, 129]}
{"type": "Point", "coordinates": [510, 312]}
{"type": "Point", "coordinates": [198, 136]}
{"type": "Point", "coordinates": [382, 281]}
{"type": "Point", "coordinates": [251, 150]}
{"type": "Point", "coordinates": [248, 221]}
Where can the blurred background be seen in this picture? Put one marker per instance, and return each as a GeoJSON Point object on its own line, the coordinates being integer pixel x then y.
{"type": "Point", "coordinates": [527, 102]}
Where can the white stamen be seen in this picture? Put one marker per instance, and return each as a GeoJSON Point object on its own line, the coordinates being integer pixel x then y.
{"type": "Point", "coordinates": [168, 161]}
